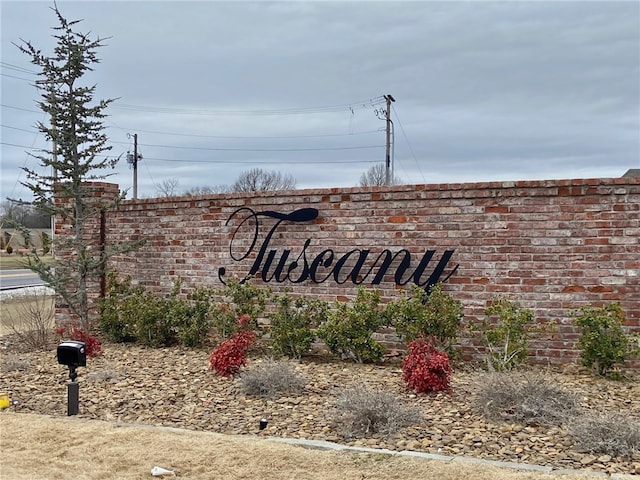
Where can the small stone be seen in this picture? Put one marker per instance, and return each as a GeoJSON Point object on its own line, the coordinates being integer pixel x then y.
{"type": "Point", "coordinates": [587, 460]}
{"type": "Point", "coordinates": [604, 459]}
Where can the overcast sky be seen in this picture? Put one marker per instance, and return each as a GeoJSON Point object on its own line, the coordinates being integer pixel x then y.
{"type": "Point", "coordinates": [484, 90]}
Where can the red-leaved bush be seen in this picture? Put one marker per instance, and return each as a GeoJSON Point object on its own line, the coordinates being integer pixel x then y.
{"type": "Point", "coordinates": [425, 368]}
{"type": "Point", "coordinates": [92, 345]}
{"type": "Point", "coordinates": [230, 355]}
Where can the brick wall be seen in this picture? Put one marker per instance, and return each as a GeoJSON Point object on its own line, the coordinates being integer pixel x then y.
{"type": "Point", "coordinates": [551, 245]}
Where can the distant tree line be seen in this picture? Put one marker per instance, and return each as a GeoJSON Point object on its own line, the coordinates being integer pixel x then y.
{"type": "Point", "coordinates": [19, 214]}
{"type": "Point", "coordinates": [259, 180]}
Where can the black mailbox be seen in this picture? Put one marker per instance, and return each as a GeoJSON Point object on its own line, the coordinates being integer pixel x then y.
{"type": "Point", "coordinates": [72, 353]}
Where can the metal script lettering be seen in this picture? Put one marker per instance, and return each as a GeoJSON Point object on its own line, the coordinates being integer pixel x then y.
{"type": "Point", "coordinates": [356, 266]}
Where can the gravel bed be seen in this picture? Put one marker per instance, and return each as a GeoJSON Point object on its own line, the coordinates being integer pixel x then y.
{"type": "Point", "coordinates": [174, 387]}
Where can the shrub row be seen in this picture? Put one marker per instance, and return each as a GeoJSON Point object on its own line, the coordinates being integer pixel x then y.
{"type": "Point", "coordinates": [130, 313]}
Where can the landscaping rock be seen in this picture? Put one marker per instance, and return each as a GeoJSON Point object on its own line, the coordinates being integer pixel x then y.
{"type": "Point", "coordinates": [173, 387]}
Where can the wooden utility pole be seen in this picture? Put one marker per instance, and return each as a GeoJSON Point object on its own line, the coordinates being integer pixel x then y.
{"type": "Point", "coordinates": [387, 171]}
{"type": "Point", "coordinates": [135, 165]}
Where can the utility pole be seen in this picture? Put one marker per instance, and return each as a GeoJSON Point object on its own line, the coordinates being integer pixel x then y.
{"type": "Point", "coordinates": [135, 165]}
{"type": "Point", "coordinates": [133, 161]}
{"type": "Point", "coordinates": [387, 171]}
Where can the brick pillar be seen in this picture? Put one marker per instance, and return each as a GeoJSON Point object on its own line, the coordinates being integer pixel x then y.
{"type": "Point", "coordinates": [101, 196]}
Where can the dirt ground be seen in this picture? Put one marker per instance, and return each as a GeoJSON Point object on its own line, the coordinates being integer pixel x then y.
{"type": "Point", "coordinates": [42, 447]}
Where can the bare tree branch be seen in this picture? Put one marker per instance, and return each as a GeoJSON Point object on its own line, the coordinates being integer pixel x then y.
{"type": "Point", "coordinates": [376, 176]}
{"type": "Point", "coordinates": [257, 180]}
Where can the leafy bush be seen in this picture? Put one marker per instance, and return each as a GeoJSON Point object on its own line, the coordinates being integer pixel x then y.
{"type": "Point", "coordinates": [121, 307]}
{"type": "Point", "coordinates": [507, 338]}
{"type": "Point", "coordinates": [130, 313]}
{"type": "Point", "coordinates": [271, 379]}
{"type": "Point", "coordinates": [528, 399]}
{"type": "Point", "coordinates": [242, 299]}
{"type": "Point", "coordinates": [602, 339]}
{"type": "Point", "coordinates": [425, 368]}
{"type": "Point", "coordinates": [72, 331]}
{"type": "Point", "coordinates": [348, 329]}
{"type": "Point", "coordinates": [611, 434]}
{"type": "Point", "coordinates": [154, 324]}
{"type": "Point", "coordinates": [362, 411]}
{"type": "Point", "coordinates": [435, 314]}
{"type": "Point", "coordinates": [192, 317]}
{"type": "Point", "coordinates": [230, 355]}
{"type": "Point", "coordinates": [292, 324]}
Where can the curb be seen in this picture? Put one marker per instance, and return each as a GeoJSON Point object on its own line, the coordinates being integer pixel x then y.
{"type": "Point", "coordinates": [525, 467]}
{"type": "Point", "coordinates": [13, 292]}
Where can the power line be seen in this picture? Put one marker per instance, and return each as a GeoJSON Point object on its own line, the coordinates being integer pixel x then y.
{"type": "Point", "coordinates": [224, 149]}
{"type": "Point", "coordinates": [19, 78]}
{"type": "Point", "coordinates": [249, 137]}
{"type": "Point", "coordinates": [295, 162]}
{"type": "Point", "coordinates": [18, 68]}
{"type": "Point", "coordinates": [15, 145]}
{"type": "Point", "coordinates": [19, 108]}
{"type": "Point", "coordinates": [281, 111]}
{"type": "Point", "coordinates": [408, 144]}
{"type": "Point", "coordinates": [33, 130]}
{"type": "Point", "coordinates": [263, 162]}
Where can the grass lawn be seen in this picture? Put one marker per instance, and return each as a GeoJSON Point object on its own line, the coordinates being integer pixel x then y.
{"type": "Point", "coordinates": [15, 261]}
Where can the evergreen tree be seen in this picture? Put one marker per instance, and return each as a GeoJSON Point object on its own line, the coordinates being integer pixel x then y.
{"type": "Point", "coordinates": [77, 133]}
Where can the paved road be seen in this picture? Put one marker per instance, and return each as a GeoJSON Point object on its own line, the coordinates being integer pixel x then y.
{"type": "Point", "coordinates": [18, 278]}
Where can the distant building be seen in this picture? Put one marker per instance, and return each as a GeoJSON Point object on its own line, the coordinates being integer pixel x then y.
{"type": "Point", "coordinates": [632, 172]}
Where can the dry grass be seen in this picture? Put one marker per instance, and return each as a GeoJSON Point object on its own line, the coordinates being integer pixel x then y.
{"type": "Point", "coordinates": [363, 411]}
{"type": "Point", "coordinates": [528, 398]}
{"type": "Point", "coordinates": [41, 447]}
{"type": "Point", "coordinates": [271, 379]}
{"type": "Point", "coordinates": [30, 319]}
{"type": "Point", "coordinates": [611, 434]}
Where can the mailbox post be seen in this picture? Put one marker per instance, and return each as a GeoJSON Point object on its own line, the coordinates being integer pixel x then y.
{"type": "Point", "coordinates": [73, 354]}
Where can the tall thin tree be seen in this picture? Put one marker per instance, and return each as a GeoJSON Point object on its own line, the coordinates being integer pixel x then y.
{"type": "Point", "coordinates": [76, 159]}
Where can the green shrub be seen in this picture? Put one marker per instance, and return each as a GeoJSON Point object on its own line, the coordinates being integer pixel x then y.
{"type": "Point", "coordinates": [602, 339]}
{"type": "Point", "coordinates": [293, 322]}
{"type": "Point", "coordinates": [155, 322]}
{"type": "Point", "coordinates": [120, 308]}
{"type": "Point", "coordinates": [348, 329]}
{"type": "Point", "coordinates": [243, 298]}
{"type": "Point", "coordinates": [434, 315]}
{"type": "Point", "coordinates": [506, 338]}
{"type": "Point", "coordinates": [192, 318]}
{"type": "Point", "coordinates": [130, 313]}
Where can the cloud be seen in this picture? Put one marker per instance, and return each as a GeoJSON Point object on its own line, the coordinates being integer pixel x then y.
{"type": "Point", "coordinates": [484, 90]}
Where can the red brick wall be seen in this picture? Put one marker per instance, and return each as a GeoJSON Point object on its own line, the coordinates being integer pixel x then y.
{"type": "Point", "coordinates": [551, 245]}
